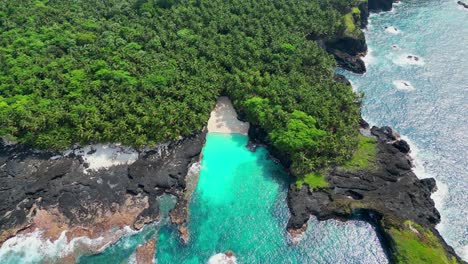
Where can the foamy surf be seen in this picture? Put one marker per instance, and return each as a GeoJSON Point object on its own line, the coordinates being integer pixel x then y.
{"type": "Point", "coordinates": [392, 30]}
{"type": "Point", "coordinates": [369, 58]}
{"type": "Point", "coordinates": [442, 190]}
{"type": "Point", "coordinates": [33, 248]}
{"type": "Point", "coordinates": [463, 251]}
{"type": "Point", "coordinates": [408, 59]}
{"type": "Point", "coordinates": [403, 85]}
{"type": "Point", "coordinates": [223, 258]}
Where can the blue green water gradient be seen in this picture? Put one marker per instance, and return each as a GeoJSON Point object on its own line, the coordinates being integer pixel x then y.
{"type": "Point", "coordinates": [240, 205]}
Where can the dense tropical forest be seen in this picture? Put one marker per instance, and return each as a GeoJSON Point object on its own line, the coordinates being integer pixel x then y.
{"type": "Point", "coordinates": [146, 71]}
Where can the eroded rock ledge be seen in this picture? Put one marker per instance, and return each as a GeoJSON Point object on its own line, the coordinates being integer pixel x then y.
{"type": "Point", "coordinates": [388, 194]}
{"type": "Point", "coordinates": [350, 46]}
{"type": "Point", "coordinates": [50, 193]}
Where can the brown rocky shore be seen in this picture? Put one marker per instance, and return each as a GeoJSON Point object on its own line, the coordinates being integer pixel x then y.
{"type": "Point", "coordinates": [54, 193]}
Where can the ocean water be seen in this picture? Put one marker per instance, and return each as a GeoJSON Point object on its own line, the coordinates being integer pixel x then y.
{"type": "Point", "coordinates": [240, 205]}
{"type": "Point", "coordinates": [425, 100]}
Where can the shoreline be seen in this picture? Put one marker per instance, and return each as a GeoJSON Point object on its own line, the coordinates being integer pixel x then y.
{"type": "Point", "coordinates": [223, 119]}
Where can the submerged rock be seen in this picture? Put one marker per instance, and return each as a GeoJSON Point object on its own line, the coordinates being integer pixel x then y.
{"type": "Point", "coordinates": [145, 253]}
{"type": "Point", "coordinates": [223, 258]}
{"type": "Point", "coordinates": [462, 4]}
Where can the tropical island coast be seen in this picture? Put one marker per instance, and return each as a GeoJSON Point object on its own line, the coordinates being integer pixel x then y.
{"type": "Point", "coordinates": [147, 74]}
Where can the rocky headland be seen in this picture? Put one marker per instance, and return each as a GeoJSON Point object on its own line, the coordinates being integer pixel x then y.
{"type": "Point", "coordinates": [386, 193]}
{"type": "Point", "coordinates": [349, 46]}
{"type": "Point", "coordinates": [55, 194]}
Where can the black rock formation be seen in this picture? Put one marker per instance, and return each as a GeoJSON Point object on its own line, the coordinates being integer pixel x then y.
{"type": "Point", "coordinates": [46, 180]}
{"type": "Point", "coordinates": [462, 4]}
{"type": "Point", "coordinates": [380, 5]}
{"type": "Point", "coordinates": [391, 188]}
{"type": "Point", "coordinates": [388, 190]}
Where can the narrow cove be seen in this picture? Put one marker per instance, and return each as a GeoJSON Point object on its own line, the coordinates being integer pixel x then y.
{"type": "Point", "coordinates": [239, 205]}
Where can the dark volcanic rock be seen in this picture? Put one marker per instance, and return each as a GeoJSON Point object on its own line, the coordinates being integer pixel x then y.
{"type": "Point", "coordinates": [380, 5]}
{"type": "Point", "coordinates": [348, 62]}
{"type": "Point", "coordinates": [341, 78]}
{"type": "Point", "coordinates": [462, 4]}
{"type": "Point", "coordinates": [43, 180]}
{"type": "Point", "coordinates": [392, 188]}
{"type": "Point", "coordinates": [348, 51]}
{"type": "Point", "coordinates": [389, 190]}
{"type": "Point", "coordinates": [364, 9]}
{"type": "Point", "coordinates": [350, 45]}
{"type": "Point", "coordinates": [402, 146]}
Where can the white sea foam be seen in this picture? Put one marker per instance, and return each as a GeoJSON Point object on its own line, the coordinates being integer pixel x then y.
{"type": "Point", "coordinates": [101, 156]}
{"type": "Point", "coordinates": [132, 259]}
{"type": "Point", "coordinates": [463, 252]}
{"type": "Point", "coordinates": [408, 59]}
{"type": "Point", "coordinates": [369, 58]}
{"type": "Point", "coordinates": [403, 85]}
{"type": "Point", "coordinates": [392, 30]}
{"type": "Point", "coordinates": [353, 86]}
{"type": "Point", "coordinates": [33, 248]}
{"type": "Point", "coordinates": [222, 258]}
{"type": "Point", "coordinates": [442, 190]}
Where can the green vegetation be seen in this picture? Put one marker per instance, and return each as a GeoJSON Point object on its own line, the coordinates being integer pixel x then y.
{"type": "Point", "coordinates": [352, 22]}
{"type": "Point", "coordinates": [314, 180]}
{"type": "Point", "coordinates": [416, 244]}
{"type": "Point", "coordinates": [145, 71]}
{"type": "Point", "coordinates": [365, 155]}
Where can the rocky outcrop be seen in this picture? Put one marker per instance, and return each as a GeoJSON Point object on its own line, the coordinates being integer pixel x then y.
{"type": "Point", "coordinates": [387, 193]}
{"type": "Point", "coordinates": [381, 5]}
{"type": "Point", "coordinates": [53, 193]}
{"type": "Point", "coordinates": [390, 188]}
{"type": "Point", "coordinates": [349, 47]}
{"type": "Point", "coordinates": [352, 63]}
{"type": "Point", "coordinates": [462, 4]}
{"type": "Point", "coordinates": [145, 253]}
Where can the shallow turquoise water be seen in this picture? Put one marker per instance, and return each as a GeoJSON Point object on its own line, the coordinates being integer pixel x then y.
{"type": "Point", "coordinates": [433, 115]}
{"type": "Point", "coordinates": [239, 205]}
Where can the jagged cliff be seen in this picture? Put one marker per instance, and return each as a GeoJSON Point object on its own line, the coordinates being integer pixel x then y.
{"type": "Point", "coordinates": [54, 193]}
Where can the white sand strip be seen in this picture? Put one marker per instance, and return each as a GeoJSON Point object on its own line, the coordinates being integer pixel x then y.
{"type": "Point", "coordinates": [223, 119]}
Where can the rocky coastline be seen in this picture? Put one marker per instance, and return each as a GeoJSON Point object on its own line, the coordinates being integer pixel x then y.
{"type": "Point", "coordinates": [349, 47]}
{"type": "Point", "coordinates": [389, 196]}
{"type": "Point", "coordinates": [54, 193]}
{"type": "Point", "coordinates": [51, 193]}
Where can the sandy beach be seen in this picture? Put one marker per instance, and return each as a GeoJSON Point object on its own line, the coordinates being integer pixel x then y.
{"type": "Point", "coordinates": [223, 119]}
